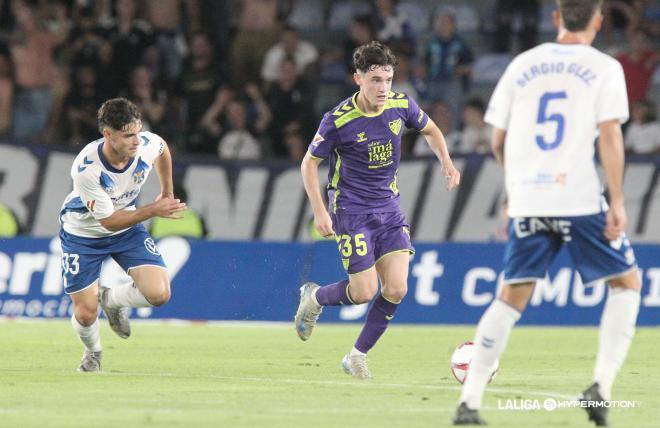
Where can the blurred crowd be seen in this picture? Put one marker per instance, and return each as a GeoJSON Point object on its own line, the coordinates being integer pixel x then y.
{"type": "Point", "coordinates": [250, 79]}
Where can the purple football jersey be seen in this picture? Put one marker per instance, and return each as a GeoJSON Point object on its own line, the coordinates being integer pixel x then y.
{"type": "Point", "coordinates": [364, 151]}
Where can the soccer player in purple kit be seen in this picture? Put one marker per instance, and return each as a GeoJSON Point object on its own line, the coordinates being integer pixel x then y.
{"type": "Point", "coordinates": [361, 137]}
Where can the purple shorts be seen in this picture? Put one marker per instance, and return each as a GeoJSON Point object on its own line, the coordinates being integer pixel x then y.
{"type": "Point", "coordinates": [363, 239]}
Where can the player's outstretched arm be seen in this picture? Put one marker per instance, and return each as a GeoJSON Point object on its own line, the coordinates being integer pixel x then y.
{"type": "Point", "coordinates": [310, 175]}
{"type": "Point", "coordinates": [610, 149]}
{"type": "Point", "coordinates": [123, 219]}
{"type": "Point", "coordinates": [436, 141]}
{"type": "Point", "coordinates": [163, 166]}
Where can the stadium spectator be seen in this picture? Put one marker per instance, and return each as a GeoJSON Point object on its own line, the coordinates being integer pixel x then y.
{"type": "Point", "coordinates": [506, 12]}
{"type": "Point", "coordinates": [360, 32]}
{"type": "Point", "coordinates": [81, 106]}
{"type": "Point", "coordinates": [403, 80]}
{"type": "Point", "coordinates": [291, 99]}
{"type": "Point", "coordinates": [476, 133]}
{"type": "Point", "coordinates": [40, 85]}
{"type": "Point", "coordinates": [448, 61]}
{"type": "Point", "coordinates": [240, 139]}
{"type": "Point", "coordinates": [442, 115]}
{"type": "Point", "coordinates": [239, 142]}
{"type": "Point", "coordinates": [150, 100]}
{"type": "Point", "coordinates": [393, 26]}
{"type": "Point", "coordinates": [304, 54]}
{"type": "Point", "coordinates": [167, 20]}
{"type": "Point", "coordinates": [257, 24]}
{"type": "Point", "coordinates": [639, 64]}
{"type": "Point", "coordinates": [6, 95]}
{"type": "Point", "coordinates": [643, 132]}
{"type": "Point", "coordinates": [86, 38]}
{"type": "Point", "coordinates": [129, 37]}
{"type": "Point", "coordinates": [202, 88]}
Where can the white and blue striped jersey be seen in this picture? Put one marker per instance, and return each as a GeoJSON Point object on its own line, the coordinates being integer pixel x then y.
{"type": "Point", "coordinates": [99, 189]}
{"type": "Point", "coordinates": [550, 102]}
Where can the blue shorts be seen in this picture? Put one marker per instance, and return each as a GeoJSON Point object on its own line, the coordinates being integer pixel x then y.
{"type": "Point", "coordinates": [535, 241]}
{"type": "Point", "coordinates": [82, 257]}
{"type": "Point", "coordinates": [363, 239]}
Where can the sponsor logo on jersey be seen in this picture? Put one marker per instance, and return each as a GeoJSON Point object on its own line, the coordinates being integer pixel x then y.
{"type": "Point", "coordinates": [362, 136]}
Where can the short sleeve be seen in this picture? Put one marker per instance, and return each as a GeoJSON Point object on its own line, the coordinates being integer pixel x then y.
{"type": "Point", "coordinates": [417, 118]}
{"type": "Point", "coordinates": [152, 146]}
{"type": "Point", "coordinates": [325, 139]}
{"type": "Point", "coordinates": [499, 107]}
{"type": "Point", "coordinates": [612, 97]}
{"type": "Point", "coordinates": [91, 193]}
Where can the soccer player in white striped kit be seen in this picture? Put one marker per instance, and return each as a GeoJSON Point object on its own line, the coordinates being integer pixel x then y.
{"type": "Point", "coordinates": [99, 219]}
{"type": "Point", "coordinates": [549, 106]}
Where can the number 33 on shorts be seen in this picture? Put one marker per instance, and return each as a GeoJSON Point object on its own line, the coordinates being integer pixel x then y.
{"type": "Point", "coordinates": [346, 248]}
{"type": "Point", "coordinates": [70, 263]}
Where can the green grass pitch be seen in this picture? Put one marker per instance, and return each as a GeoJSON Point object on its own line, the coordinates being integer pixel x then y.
{"type": "Point", "coordinates": [200, 375]}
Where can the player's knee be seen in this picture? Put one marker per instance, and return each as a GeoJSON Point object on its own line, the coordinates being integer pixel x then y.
{"type": "Point", "coordinates": [86, 315]}
{"type": "Point", "coordinates": [630, 280]}
{"type": "Point", "coordinates": [362, 296]}
{"type": "Point", "coordinates": [395, 294]}
{"type": "Point", "coordinates": [160, 296]}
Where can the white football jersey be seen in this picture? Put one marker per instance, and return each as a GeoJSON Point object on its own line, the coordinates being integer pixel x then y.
{"type": "Point", "coordinates": [99, 189]}
{"type": "Point", "coordinates": [550, 101]}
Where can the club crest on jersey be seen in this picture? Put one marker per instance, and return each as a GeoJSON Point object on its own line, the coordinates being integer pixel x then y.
{"type": "Point", "coordinates": [140, 172]}
{"type": "Point", "coordinates": [395, 126]}
{"type": "Point", "coordinates": [362, 136]}
{"type": "Point", "coordinates": [138, 177]}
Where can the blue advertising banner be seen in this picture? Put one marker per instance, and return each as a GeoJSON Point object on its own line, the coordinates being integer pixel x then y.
{"type": "Point", "coordinates": [211, 280]}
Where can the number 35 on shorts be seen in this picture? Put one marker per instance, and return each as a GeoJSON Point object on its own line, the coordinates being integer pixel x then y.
{"type": "Point", "coordinates": [347, 243]}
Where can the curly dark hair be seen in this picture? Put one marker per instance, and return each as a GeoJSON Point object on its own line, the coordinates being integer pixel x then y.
{"type": "Point", "coordinates": [576, 14]}
{"type": "Point", "coordinates": [371, 55]}
{"type": "Point", "coordinates": [117, 114]}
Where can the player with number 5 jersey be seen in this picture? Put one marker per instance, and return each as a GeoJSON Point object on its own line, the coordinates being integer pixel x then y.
{"type": "Point", "coordinates": [99, 219]}
{"type": "Point", "coordinates": [547, 110]}
{"type": "Point", "coordinates": [361, 138]}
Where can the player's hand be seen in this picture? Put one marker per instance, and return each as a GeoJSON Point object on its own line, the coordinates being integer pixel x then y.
{"type": "Point", "coordinates": [615, 221]}
{"type": "Point", "coordinates": [323, 224]}
{"type": "Point", "coordinates": [169, 208]}
{"type": "Point", "coordinates": [451, 174]}
{"type": "Point", "coordinates": [163, 196]}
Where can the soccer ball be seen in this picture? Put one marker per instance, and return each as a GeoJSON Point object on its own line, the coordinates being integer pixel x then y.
{"type": "Point", "coordinates": [460, 362]}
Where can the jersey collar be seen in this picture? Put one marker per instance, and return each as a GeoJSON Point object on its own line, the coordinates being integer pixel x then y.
{"type": "Point", "coordinates": [107, 165]}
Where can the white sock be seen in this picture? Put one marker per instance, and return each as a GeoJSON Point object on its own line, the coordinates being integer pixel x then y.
{"type": "Point", "coordinates": [90, 335]}
{"type": "Point", "coordinates": [126, 295]}
{"type": "Point", "coordinates": [355, 351]}
{"type": "Point", "coordinates": [617, 328]}
{"type": "Point", "coordinates": [490, 340]}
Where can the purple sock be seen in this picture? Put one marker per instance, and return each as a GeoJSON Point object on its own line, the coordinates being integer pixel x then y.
{"type": "Point", "coordinates": [334, 294]}
{"type": "Point", "coordinates": [378, 317]}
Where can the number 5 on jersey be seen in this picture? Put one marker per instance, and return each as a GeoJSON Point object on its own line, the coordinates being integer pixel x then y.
{"type": "Point", "coordinates": [543, 117]}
